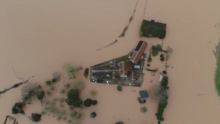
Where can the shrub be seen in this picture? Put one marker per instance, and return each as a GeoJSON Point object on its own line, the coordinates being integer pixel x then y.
{"type": "Point", "coordinates": [93, 115]}
{"type": "Point", "coordinates": [119, 122]}
{"type": "Point", "coordinates": [142, 101]}
{"type": "Point", "coordinates": [67, 85]}
{"type": "Point", "coordinates": [28, 91]}
{"type": "Point", "coordinates": [149, 58]}
{"type": "Point", "coordinates": [159, 94]}
{"type": "Point", "coordinates": [54, 80]}
{"type": "Point", "coordinates": [17, 108]}
{"type": "Point", "coordinates": [119, 88]}
{"type": "Point", "coordinates": [93, 92]}
{"type": "Point", "coordinates": [48, 82]}
{"type": "Point", "coordinates": [40, 95]}
{"type": "Point", "coordinates": [35, 117]}
{"type": "Point", "coordinates": [162, 33]}
{"type": "Point", "coordinates": [79, 85]}
{"type": "Point", "coordinates": [94, 102]}
{"type": "Point", "coordinates": [88, 102]}
{"type": "Point", "coordinates": [164, 81]}
{"type": "Point", "coordinates": [70, 70]}
{"type": "Point", "coordinates": [162, 57]}
{"type": "Point", "coordinates": [75, 116]}
{"type": "Point", "coordinates": [155, 52]}
{"type": "Point", "coordinates": [143, 109]}
{"type": "Point", "coordinates": [86, 72]}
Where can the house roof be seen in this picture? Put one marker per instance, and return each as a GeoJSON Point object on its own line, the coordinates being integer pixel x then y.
{"type": "Point", "coordinates": [139, 50]}
{"type": "Point", "coordinates": [144, 94]}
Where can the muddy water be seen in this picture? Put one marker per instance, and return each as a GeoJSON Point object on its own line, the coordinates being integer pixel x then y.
{"type": "Point", "coordinates": [37, 37]}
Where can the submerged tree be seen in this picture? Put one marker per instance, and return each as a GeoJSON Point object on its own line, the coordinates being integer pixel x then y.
{"type": "Point", "coordinates": [119, 122]}
{"type": "Point", "coordinates": [143, 109]}
{"type": "Point", "coordinates": [35, 117]}
{"type": "Point", "coordinates": [93, 92]}
{"type": "Point", "coordinates": [70, 70]}
{"type": "Point", "coordinates": [159, 94]}
{"type": "Point", "coordinates": [79, 85]}
{"type": "Point", "coordinates": [28, 91]}
{"type": "Point", "coordinates": [17, 108]}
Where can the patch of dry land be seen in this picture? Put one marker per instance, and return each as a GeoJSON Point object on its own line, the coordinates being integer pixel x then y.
{"type": "Point", "coordinates": [37, 37]}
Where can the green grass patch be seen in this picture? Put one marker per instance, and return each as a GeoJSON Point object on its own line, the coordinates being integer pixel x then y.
{"type": "Point", "coordinates": [126, 58]}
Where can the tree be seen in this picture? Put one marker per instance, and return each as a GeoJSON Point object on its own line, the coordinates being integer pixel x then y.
{"type": "Point", "coordinates": [88, 102]}
{"type": "Point", "coordinates": [86, 72]}
{"type": "Point", "coordinates": [17, 108]}
{"type": "Point", "coordinates": [70, 70]}
{"type": "Point", "coordinates": [28, 91]}
{"type": "Point", "coordinates": [119, 88]}
{"type": "Point", "coordinates": [79, 85]}
{"type": "Point", "coordinates": [48, 82]}
{"type": "Point", "coordinates": [35, 117]}
{"type": "Point", "coordinates": [94, 102]}
{"type": "Point", "coordinates": [143, 109]}
{"type": "Point", "coordinates": [162, 57]}
{"type": "Point", "coordinates": [77, 103]}
{"type": "Point", "coordinates": [73, 93]}
{"type": "Point", "coordinates": [164, 81]}
{"type": "Point", "coordinates": [149, 58]}
{"type": "Point", "coordinates": [93, 115]}
{"type": "Point", "coordinates": [40, 95]}
{"type": "Point", "coordinates": [159, 94]}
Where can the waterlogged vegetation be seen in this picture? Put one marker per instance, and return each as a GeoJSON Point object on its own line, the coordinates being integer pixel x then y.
{"type": "Point", "coordinates": [55, 106]}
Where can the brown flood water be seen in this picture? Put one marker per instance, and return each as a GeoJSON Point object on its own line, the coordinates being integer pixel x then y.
{"type": "Point", "coordinates": [38, 36]}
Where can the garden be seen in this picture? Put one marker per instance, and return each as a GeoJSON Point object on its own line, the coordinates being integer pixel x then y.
{"type": "Point", "coordinates": [153, 29]}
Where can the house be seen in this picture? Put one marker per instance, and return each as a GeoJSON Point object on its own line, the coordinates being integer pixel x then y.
{"type": "Point", "coordinates": [138, 52]}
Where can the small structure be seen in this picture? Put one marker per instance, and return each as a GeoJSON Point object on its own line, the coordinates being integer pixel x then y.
{"type": "Point", "coordinates": [161, 78]}
{"type": "Point", "coordinates": [138, 52]}
{"type": "Point", "coordinates": [137, 67]}
{"type": "Point", "coordinates": [144, 94]}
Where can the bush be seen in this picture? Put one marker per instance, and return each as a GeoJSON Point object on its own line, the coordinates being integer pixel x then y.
{"type": "Point", "coordinates": [79, 85]}
{"type": "Point", "coordinates": [149, 58]}
{"type": "Point", "coordinates": [119, 88]}
{"type": "Point", "coordinates": [143, 109]}
{"type": "Point", "coordinates": [162, 57]}
{"type": "Point", "coordinates": [119, 122]}
{"type": "Point", "coordinates": [73, 93]}
{"type": "Point", "coordinates": [35, 117]}
{"type": "Point", "coordinates": [86, 72]}
{"type": "Point", "coordinates": [48, 82]}
{"type": "Point", "coordinates": [142, 101]}
{"type": "Point", "coordinates": [54, 80]}
{"type": "Point", "coordinates": [93, 92]}
{"type": "Point", "coordinates": [94, 102]}
{"type": "Point", "coordinates": [88, 102]}
{"type": "Point", "coordinates": [155, 52]}
{"type": "Point", "coordinates": [162, 33]}
{"type": "Point", "coordinates": [17, 108]}
{"type": "Point", "coordinates": [40, 95]}
{"type": "Point", "coordinates": [164, 81]}
{"type": "Point", "coordinates": [70, 70]}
